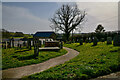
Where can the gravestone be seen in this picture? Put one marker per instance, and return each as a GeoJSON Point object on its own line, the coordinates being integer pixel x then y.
{"type": "Point", "coordinates": [39, 43]}
{"type": "Point", "coordinates": [13, 42]}
{"type": "Point", "coordinates": [36, 47]}
{"type": "Point", "coordinates": [61, 45]}
{"type": "Point", "coordinates": [81, 41]}
{"type": "Point", "coordinates": [90, 40]}
{"type": "Point", "coordinates": [86, 40]}
{"type": "Point", "coordinates": [24, 44]}
{"type": "Point", "coordinates": [6, 45]}
{"type": "Point", "coordinates": [109, 40]}
{"type": "Point", "coordinates": [116, 40]}
{"type": "Point", "coordinates": [95, 40]}
{"type": "Point", "coordinates": [29, 44]}
{"type": "Point", "coordinates": [102, 39]}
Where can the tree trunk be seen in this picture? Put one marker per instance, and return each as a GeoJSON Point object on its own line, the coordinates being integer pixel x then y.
{"type": "Point", "coordinates": [67, 35]}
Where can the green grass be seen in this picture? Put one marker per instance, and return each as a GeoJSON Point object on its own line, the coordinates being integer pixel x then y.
{"type": "Point", "coordinates": [13, 57]}
{"type": "Point", "coordinates": [92, 61]}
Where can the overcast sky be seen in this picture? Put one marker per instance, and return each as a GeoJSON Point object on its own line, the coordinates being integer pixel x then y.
{"type": "Point", "coordinates": [30, 17]}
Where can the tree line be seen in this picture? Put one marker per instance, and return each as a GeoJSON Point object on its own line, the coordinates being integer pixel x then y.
{"type": "Point", "coordinates": [7, 34]}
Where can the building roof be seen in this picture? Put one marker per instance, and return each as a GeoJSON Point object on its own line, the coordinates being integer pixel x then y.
{"type": "Point", "coordinates": [43, 34]}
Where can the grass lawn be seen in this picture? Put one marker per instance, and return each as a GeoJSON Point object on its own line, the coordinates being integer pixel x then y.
{"type": "Point", "coordinates": [13, 57]}
{"type": "Point", "coordinates": [93, 61]}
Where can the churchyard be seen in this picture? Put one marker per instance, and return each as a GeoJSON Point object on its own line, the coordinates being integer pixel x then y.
{"type": "Point", "coordinates": [65, 55]}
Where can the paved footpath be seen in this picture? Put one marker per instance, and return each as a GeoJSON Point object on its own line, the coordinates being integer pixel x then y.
{"type": "Point", "coordinates": [111, 76]}
{"type": "Point", "coordinates": [35, 68]}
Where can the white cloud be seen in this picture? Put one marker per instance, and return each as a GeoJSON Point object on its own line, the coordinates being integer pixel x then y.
{"type": "Point", "coordinates": [105, 13]}
{"type": "Point", "coordinates": [20, 19]}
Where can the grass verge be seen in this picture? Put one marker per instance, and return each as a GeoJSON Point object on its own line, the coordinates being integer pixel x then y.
{"type": "Point", "coordinates": [13, 57]}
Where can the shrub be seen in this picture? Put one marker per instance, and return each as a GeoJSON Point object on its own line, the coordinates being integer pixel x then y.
{"type": "Point", "coordinates": [109, 40]}
{"type": "Point", "coordinates": [95, 40]}
{"type": "Point", "coordinates": [116, 40]}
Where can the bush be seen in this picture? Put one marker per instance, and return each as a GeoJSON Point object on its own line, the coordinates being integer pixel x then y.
{"type": "Point", "coordinates": [95, 40]}
{"type": "Point", "coordinates": [109, 40]}
{"type": "Point", "coordinates": [116, 40]}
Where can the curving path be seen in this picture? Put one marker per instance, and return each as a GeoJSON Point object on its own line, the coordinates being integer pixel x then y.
{"type": "Point", "coordinates": [35, 68]}
{"type": "Point", "coordinates": [111, 76]}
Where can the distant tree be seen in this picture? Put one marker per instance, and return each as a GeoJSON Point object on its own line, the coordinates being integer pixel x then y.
{"type": "Point", "coordinates": [18, 34]}
{"type": "Point", "coordinates": [99, 32]}
{"type": "Point", "coordinates": [5, 34]}
{"type": "Point", "coordinates": [67, 18]}
{"type": "Point", "coordinates": [99, 29]}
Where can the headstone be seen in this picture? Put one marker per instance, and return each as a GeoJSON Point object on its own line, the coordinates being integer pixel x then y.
{"type": "Point", "coordinates": [73, 40]}
{"type": "Point", "coordinates": [116, 40]}
{"type": "Point", "coordinates": [12, 42]}
{"type": "Point", "coordinates": [61, 45]}
{"type": "Point", "coordinates": [109, 40]}
{"type": "Point", "coordinates": [36, 48]}
{"type": "Point", "coordinates": [29, 44]}
{"type": "Point", "coordinates": [90, 40]}
{"type": "Point", "coordinates": [24, 44]}
{"type": "Point", "coordinates": [86, 40]}
{"type": "Point", "coordinates": [39, 43]}
{"type": "Point", "coordinates": [95, 40]}
{"type": "Point", "coordinates": [81, 41]}
{"type": "Point", "coordinates": [6, 45]}
{"type": "Point", "coordinates": [102, 39]}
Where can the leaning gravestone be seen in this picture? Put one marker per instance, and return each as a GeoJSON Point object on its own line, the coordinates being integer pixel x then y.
{"type": "Point", "coordinates": [95, 40]}
{"type": "Point", "coordinates": [109, 40]}
{"type": "Point", "coordinates": [116, 40]}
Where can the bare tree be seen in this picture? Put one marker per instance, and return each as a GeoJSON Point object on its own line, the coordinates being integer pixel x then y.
{"type": "Point", "coordinates": [67, 18]}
